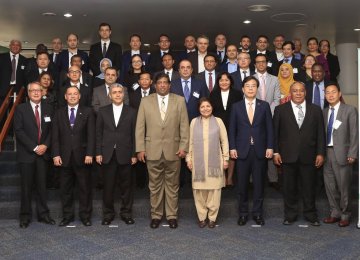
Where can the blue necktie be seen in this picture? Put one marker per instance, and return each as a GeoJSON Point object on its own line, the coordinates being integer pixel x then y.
{"type": "Point", "coordinates": [317, 95]}
{"type": "Point", "coordinates": [72, 117]}
{"type": "Point", "coordinates": [330, 126]}
{"type": "Point", "coordinates": [186, 91]}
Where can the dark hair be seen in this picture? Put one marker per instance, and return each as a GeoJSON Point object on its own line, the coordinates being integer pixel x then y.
{"type": "Point", "coordinates": [204, 99]}
{"type": "Point", "coordinates": [135, 35]}
{"type": "Point", "coordinates": [262, 36]}
{"type": "Point", "coordinates": [164, 35]}
{"type": "Point", "coordinates": [75, 56]}
{"type": "Point", "coordinates": [209, 54]}
{"type": "Point", "coordinates": [143, 73]}
{"type": "Point", "coordinates": [287, 43]}
{"type": "Point", "coordinates": [167, 54]}
{"type": "Point", "coordinates": [40, 48]}
{"type": "Point", "coordinates": [261, 55]}
{"type": "Point", "coordinates": [312, 38]}
{"type": "Point", "coordinates": [77, 37]}
{"type": "Point", "coordinates": [279, 35]}
{"type": "Point", "coordinates": [131, 69]}
{"type": "Point", "coordinates": [248, 78]}
{"type": "Point", "coordinates": [227, 75]}
{"type": "Point", "coordinates": [231, 45]}
{"type": "Point", "coordinates": [318, 64]}
{"type": "Point", "coordinates": [105, 24]}
{"type": "Point", "coordinates": [307, 55]}
{"type": "Point", "coordinates": [322, 42]}
{"type": "Point", "coordinates": [245, 36]}
{"type": "Point", "coordinates": [112, 68]}
{"type": "Point", "coordinates": [43, 52]}
{"type": "Point", "coordinates": [160, 76]}
{"type": "Point", "coordinates": [42, 74]}
{"type": "Point", "coordinates": [332, 83]}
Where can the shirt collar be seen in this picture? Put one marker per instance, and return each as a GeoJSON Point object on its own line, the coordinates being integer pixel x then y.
{"type": "Point", "coordinates": [76, 107]}
{"type": "Point", "coordinates": [303, 104]}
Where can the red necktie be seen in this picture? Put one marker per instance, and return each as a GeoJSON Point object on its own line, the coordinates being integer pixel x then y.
{"type": "Point", "coordinates": [210, 82]}
{"type": "Point", "coordinates": [37, 117]}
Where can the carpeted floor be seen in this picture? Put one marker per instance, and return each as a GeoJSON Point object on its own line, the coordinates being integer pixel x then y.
{"type": "Point", "coordinates": [139, 241]}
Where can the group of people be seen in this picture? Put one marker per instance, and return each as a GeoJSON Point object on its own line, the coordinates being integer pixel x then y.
{"type": "Point", "coordinates": [199, 113]}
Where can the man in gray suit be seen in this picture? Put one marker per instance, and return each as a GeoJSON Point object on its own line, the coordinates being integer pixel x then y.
{"type": "Point", "coordinates": [269, 91]}
{"type": "Point", "coordinates": [100, 96]}
{"type": "Point", "coordinates": [342, 134]}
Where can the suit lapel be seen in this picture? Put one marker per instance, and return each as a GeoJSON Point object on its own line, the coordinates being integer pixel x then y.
{"type": "Point", "coordinates": [66, 117]}
{"type": "Point", "coordinates": [122, 115]}
{"type": "Point", "coordinates": [292, 115]}
{"type": "Point", "coordinates": [31, 114]}
{"type": "Point", "coordinates": [156, 107]}
{"type": "Point", "coordinates": [257, 110]}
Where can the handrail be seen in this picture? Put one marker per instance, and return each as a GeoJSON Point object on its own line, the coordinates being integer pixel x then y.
{"type": "Point", "coordinates": [10, 117]}
{"type": "Point", "coordinates": [6, 103]}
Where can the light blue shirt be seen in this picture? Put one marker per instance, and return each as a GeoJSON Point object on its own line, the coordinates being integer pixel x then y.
{"type": "Point", "coordinates": [322, 93]}
{"type": "Point", "coordinates": [231, 67]}
{"type": "Point", "coordinates": [289, 60]}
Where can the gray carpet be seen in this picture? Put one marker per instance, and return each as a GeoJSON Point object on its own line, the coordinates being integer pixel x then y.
{"type": "Point", "coordinates": [139, 241]}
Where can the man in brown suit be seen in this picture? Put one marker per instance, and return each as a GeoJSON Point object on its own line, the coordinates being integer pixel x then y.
{"type": "Point", "coordinates": [162, 138]}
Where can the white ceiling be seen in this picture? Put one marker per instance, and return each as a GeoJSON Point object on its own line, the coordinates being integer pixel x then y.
{"type": "Point", "coordinates": [325, 19]}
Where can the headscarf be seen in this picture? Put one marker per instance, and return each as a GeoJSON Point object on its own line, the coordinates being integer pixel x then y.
{"type": "Point", "coordinates": [102, 74]}
{"type": "Point", "coordinates": [286, 83]}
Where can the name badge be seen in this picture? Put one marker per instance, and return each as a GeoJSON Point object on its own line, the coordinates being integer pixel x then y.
{"type": "Point", "coordinates": [295, 70]}
{"type": "Point", "coordinates": [269, 64]}
{"type": "Point", "coordinates": [47, 119]}
{"type": "Point", "coordinates": [135, 86]}
{"type": "Point", "coordinates": [22, 67]}
{"type": "Point", "coordinates": [337, 123]}
{"type": "Point", "coordinates": [195, 94]}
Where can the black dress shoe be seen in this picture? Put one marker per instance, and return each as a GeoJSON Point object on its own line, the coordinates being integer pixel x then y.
{"type": "Point", "coordinates": [155, 223]}
{"type": "Point", "coordinates": [242, 220]}
{"type": "Point", "coordinates": [65, 221]}
{"type": "Point", "coordinates": [315, 223]}
{"type": "Point", "coordinates": [259, 220]}
{"type": "Point", "coordinates": [86, 222]}
{"type": "Point", "coordinates": [106, 222]}
{"type": "Point", "coordinates": [173, 223]}
{"type": "Point", "coordinates": [47, 220]}
{"type": "Point", "coordinates": [128, 220]}
{"type": "Point", "coordinates": [275, 185]}
{"type": "Point", "coordinates": [287, 222]}
{"type": "Point", "coordinates": [24, 223]}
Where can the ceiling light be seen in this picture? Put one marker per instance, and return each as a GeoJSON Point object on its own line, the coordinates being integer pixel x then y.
{"type": "Point", "coordinates": [146, 44]}
{"type": "Point", "coordinates": [357, 29]}
{"type": "Point", "coordinates": [288, 17]}
{"type": "Point", "coordinates": [67, 15]}
{"type": "Point", "coordinates": [301, 24]}
{"type": "Point", "coordinates": [48, 14]}
{"type": "Point", "coordinates": [246, 21]}
{"type": "Point", "coordinates": [258, 8]}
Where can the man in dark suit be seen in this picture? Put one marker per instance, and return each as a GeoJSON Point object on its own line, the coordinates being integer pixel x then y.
{"type": "Point", "coordinates": [135, 48]}
{"type": "Point", "coordinates": [115, 151]}
{"type": "Point", "coordinates": [168, 64]}
{"type": "Point", "coordinates": [73, 148]}
{"type": "Point", "coordinates": [197, 57]}
{"type": "Point", "coordinates": [104, 49]}
{"type": "Point", "coordinates": [288, 49]}
{"type": "Point", "coordinates": [12, 69]}
{"type": "Point", "coordinates": [230, 64]}
{"type": "Point", "coordinates": [74, 74]}
{"type": "Point", "coordinates": [297, 53]}
{"type": "Point", "coordinates": [190, 88]}
{"type": "Point", "coordinates": [244, 70]}
{"type": "Point", "coordinates": [220, 48]}
{"type": "Point", "coordinates": [155, 62]}
{"type": "Point", "coordinates": [277, 54]}
{"type": "Point", "coordinates": [341, 124]}
{"type": "Point", "coordinates": [65, 55]}
{"type": "Point", "coordinates": [299, 148]}
{"type": "Point", "coordinates": [32, 125]}
{"type": "Point", "coordinates": [209, 75]}
{"type": "Point", "coordinates": [245, 43]}
{"type": "Point", "coordinates": [262, 43]}
{"type": "Point", "coordinates": [190, 46]}
{"type": "Point", "coordinates": [56, 49]}
{"type": "Point", "coordinates": [315, 88]}
{"type": "Point", "coordinates": [251, 144]}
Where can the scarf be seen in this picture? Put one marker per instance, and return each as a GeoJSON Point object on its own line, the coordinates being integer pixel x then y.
{"type": "Point", "coordinates": [285, 83]}
{"type": "Point", "coordinates": [214, 149]}
{"type": "Point", "coordinates": [102, 74]}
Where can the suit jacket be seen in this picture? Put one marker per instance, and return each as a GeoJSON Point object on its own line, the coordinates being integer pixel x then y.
{"type": "Point", "coordinates": [299, 145]}
{"type": "Point", "coordinates": [26, 131]}
{"type": "Point", "coordinates": [114, 53]}
{"type": "Point", "coordinates": [334, 66]}
{"type": "Point", "coordinates": [32, 74]}
{"type": "Point", "coordinates": [122, 136]}
{"type": "Point", "coordinates": [270, 63]}
{"type": "Point", "coordinates": [218, 108]}
{"type": "Point", "coordinates": [182, 55]}
{"type": "Point", "coordinates": [126, 62]}
{"type": "Point", "coordinates": [299, 73]}
{"type": "Point", "coordinates": [261, 130]}
{"type": "Point", "coordinates": [155, 62]}
{"type": "Point", "coordinates": [64, 60]}
{"type": "Point", "coordinates": [100, 98]}
{"type": "Point", "coordinates": [309, 86]}
{"type": "Point", "coordinates": [64, 81]}
{"type": "Point", "coordinates": [193, 58]}
{"type": "Point", "coordinates": [79, 140]}
{"type": "Point", "coordinates": [201, 76]}
{"type": "Point", "coordinates": [346, 136]}
{"type": "Point", "coordinates": [198, 90]}
{"type": "Point", "coordinates": [175, 75]}
{"type": "Point", "coordinates": [136, 96]}
{"type": "Point", "coordinates": [157, 137]}
{"type": "Point", "coordinates": [237, 79]}
{"type": "Point", "coordinates": [85, 99]}
{"type": "Point", "coordinates": [6, 70]}
{"type": "Point", "coordinates": [273, 94]}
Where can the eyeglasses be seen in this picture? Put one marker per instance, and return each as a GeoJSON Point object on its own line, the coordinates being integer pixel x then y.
{"type": "Point", "coordinates": [137, 61]}
{"type": "Point", "coordinates": [74, 71]}
{"type": "Point", "coordinates": [260, 62]}
{"type": "Point", "coordinates": [35, 90]}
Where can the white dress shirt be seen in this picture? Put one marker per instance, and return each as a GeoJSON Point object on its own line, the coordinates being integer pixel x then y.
{"type": "Point", "coordinates": [201, 66]}
{"type": "Point", "coordinates": [117, 112]}
{"type": "Point", "coordinates": [296, 109]}
{"type": "Point", "coordinates": [225, 97]}
{"type": "Point", "coordinates": [75, 110]}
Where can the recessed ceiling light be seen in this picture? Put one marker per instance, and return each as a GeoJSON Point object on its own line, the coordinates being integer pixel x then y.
{"type": "Point", "coordinates": [67, 15]}
{"type": "Point", "coordinates": [357, 29]}
{"type": "Point", "coordinates": [246, 21]}
{"type": "Point", "coordinates": [85, 42]}
{"type": "Point", "coordinates": [84, 15]}
{"type": "Point", "coordinates": [258, 8]}
{"type": "Point", "coordinates": [48, 14]}
{"type": "Point", "coordinates": [301, 24]}
{"type": "Point", "coordinates": [288, 17]}
{"type": "Point", "coordinates": [146, 44]}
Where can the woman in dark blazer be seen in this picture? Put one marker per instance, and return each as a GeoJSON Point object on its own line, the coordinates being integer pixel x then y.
{"type": "Point", "coordinates": [329, 61]}
{"type": "Point", "coordinates": [132, 76]}
{"type": "Point", "coordinates": [222, 99]}
{"type": "Point", "coordinates": [48, 93]}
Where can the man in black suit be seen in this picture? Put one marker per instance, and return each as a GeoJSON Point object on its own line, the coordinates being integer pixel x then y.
{"type": "Point", "coordinates": [209, 75]}
{"type": "Point", "coordinates": [12, 69]}
{"type": "Point", "coordinates": [288, 49]}
{"type": "Point", "coordinates": [244, 70]}
{"type": "Point", "coordinates": [299, 149]}
{"type": "Point", "coordinates": [262, 43]}
{"type": "Point", "coordinates": [155, 62]}
{"type": "Point", "coordinates": [190, 46]}
{"type": "Point", "coordinates": [135, 45]}
{"type": "Point", "coordinates": [85, 78]}
{"type": "Point", "coordinates": [277, 54]}
{"type": "Point", "coordinates": [197, 57]}
{"type": "Point", "coordinates": [73, 147]}
{"type": "Point", "coordinates": [104, 49]}
{"type": "Point", "coordinates": [56, 49]}
{"type": "Point", "coordinates": [42, 64]}
{"type": "Point", "coordinates": [220, 50]}
{"type": "Point", "coordinates": [74, 74]}
{"type": "Point", "coordinates": [65, 55]}
{"type": "Point", "coordinates": [168, 64]}
{"type": "Point", "coordinates": [32, 125]}
{"type": "Point", "coordinates": [245, 43]}
{"type": "Point", "coordinates": [315, 88]}
{"type": "Point", "coordinates": [115, 151]}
